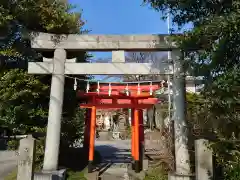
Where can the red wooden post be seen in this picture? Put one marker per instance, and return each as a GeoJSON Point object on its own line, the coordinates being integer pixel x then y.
{"type": "Point", "coordinates": [141, 137]}
{"type": "Point", "coordinates": [92, 139]}
{"type": "Point", "coordinates": [133, 138]}
{"type": "Point", "coordinates": [141, 125]}
{"type": "Point", "coordinates": [136, 140]}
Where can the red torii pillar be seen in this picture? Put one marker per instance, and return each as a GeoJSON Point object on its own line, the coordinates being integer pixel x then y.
{"type": "Point", "coordinates": [92, 129]}
{"type": "Point", "coordinates": [137, 128]}
{"type": "Point", "coordinates": [92, 139]}
{"type": "Point", "coordinates": [136, 141]}
{"type": "Point", "coordinates": [133, 138]}
{"type": "Point", "coordinates": [141, 137]}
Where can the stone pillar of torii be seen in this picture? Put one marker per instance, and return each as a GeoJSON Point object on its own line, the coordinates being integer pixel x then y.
{"type": "Point", "coordinates": [60, 66]}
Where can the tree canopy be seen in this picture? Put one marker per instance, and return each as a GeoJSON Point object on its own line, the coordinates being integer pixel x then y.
{"type": "Point", "coordinates": [215, 31]}
{"type": "Point", "coordinates": [21, 16]}
{"type": "Point", "coordinates": [24, 98]}
{"type": "Point", "coordinates": [215, 35]}
{"type": "Point", "coordinates": [214, 40]}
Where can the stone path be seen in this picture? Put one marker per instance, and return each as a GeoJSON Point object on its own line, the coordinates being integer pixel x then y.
{"type": "Point", "coordinates": [8, 162]}
{"type": "Point", "coordinates": [116, 157]}
{"type": "Point", "coordinates": [117, 154]}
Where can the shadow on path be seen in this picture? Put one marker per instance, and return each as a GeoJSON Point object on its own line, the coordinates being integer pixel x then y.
{"type": "Point", "coordinates": [112, 156]}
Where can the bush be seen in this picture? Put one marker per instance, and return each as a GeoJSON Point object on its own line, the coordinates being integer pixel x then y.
{"type": "Point", "coordinates": [75, 175]}
{"type": "Point", "coordinates": [232, 170]}
{"type": "Point", "coordinates": [157, 173]}
{"type": "Point", "coordinates": [76, 159]}
{"type": "Point", "coordinates": [72, 130]}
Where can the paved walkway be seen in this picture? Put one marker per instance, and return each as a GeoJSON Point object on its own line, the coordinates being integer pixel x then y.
{"type": "Point", "coordinates": [8, 162]}
{"type": "Point", "coordinates": [116, 157]}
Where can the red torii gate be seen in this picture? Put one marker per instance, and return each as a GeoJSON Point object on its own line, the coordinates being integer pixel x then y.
{"type": "Point", "coordinates": [107, 96]}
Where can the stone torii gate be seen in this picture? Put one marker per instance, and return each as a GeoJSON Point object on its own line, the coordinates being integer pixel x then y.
{"type": "Point", "coordinates": [59, 65]}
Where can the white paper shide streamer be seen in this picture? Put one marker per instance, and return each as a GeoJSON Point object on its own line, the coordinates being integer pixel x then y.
{"type": "Point", "coordinates": [75, 84]}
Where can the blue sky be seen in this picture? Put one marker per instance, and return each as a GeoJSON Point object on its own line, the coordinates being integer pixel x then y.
{"type": "Point", "coordinates": [120, 17]}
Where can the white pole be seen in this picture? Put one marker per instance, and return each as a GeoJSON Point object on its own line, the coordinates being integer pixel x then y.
{"type": "Point", "coordinates": [169, 78]}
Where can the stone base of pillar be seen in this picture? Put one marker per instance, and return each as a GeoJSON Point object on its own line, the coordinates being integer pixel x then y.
{"type": "Point", "coordinates": [137, 166]}
{"type": "Point", "coordinates": [172, 176]}
{"type": "Point", "coordinates": [90, 167]}
{"type": "Point", "coordinates": [141, 155]}
{"type": "Point", "coordinates": [53, 175]}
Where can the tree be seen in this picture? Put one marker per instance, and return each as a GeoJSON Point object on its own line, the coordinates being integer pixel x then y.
{"type": "Point", "coordinates": [23, 101]}
{"type": "Point", "coordinates": [21, 16]}
{"type": "Point", "coordinates": [156, 58]}
{"type": "Point", "coordinates": [216, 32]}
{"type": "Point", "coordinates": [143, 57]}
{"type": "Point", "coordinates": [24, 98]}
